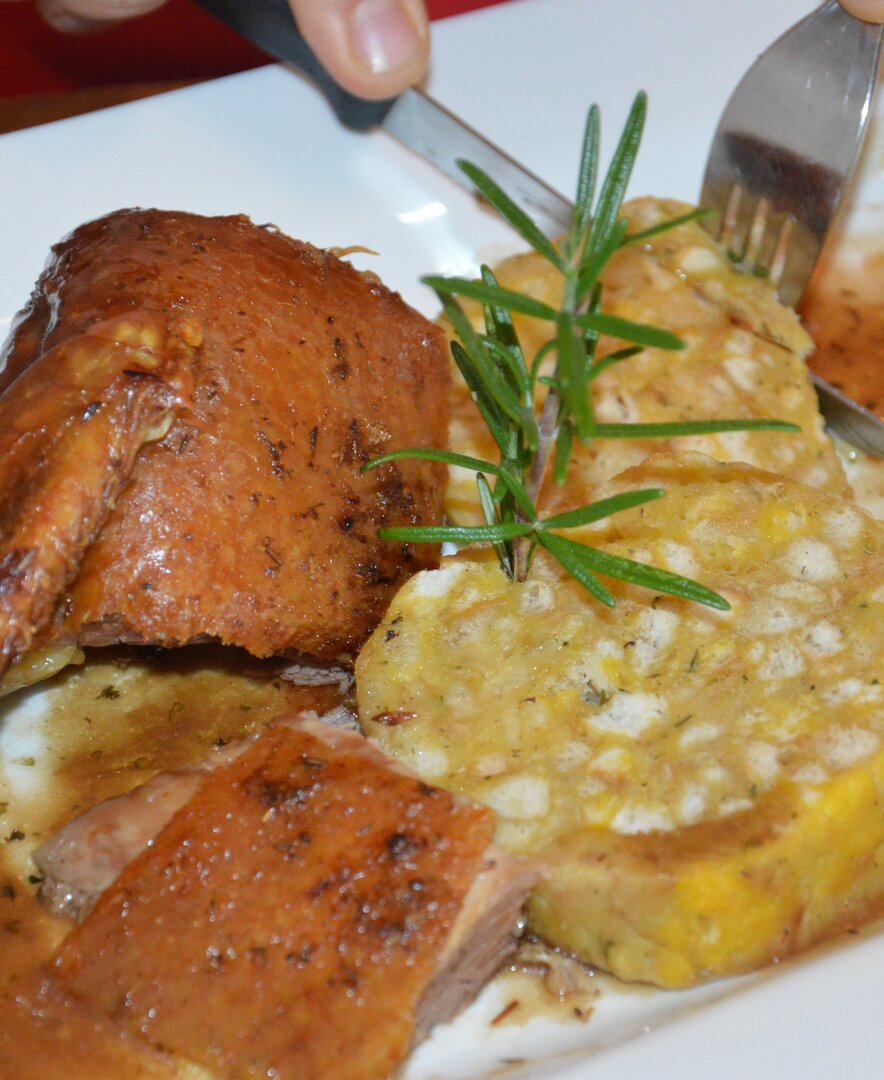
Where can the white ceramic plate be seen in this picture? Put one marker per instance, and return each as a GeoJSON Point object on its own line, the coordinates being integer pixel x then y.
{"type": "Point", "coordinates": [265, 143]}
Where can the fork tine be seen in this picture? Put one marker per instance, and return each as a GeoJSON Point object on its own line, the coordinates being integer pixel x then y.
{"type": "Point", "coordinates": [728, 219]}
{"type": "Point", "coordinates": [780, 252]}
{"type": "Point", "coordinates": [744, 226]}
{"type": "Point", "coordinates": [755, 235]}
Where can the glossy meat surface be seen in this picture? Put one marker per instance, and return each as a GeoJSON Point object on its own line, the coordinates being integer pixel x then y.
{"type": "Point", "coordinates": [307, 914]}
{"type": "Point", "coordinates": [70, 428]}
{"type": "Point", "coordinates": [249, 522]}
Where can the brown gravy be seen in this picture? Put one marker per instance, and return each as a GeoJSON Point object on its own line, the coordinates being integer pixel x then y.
{"type": "Point", "coordinates": [844, 314]}
{"type": "Point", "coordinates": [542, 981]}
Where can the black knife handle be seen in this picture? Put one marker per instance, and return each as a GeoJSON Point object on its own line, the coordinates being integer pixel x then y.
{"type": "Point", "coordinates": [270, 25]}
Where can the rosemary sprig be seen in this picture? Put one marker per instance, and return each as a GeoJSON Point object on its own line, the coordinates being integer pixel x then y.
{"type": "Point", "coordinates": [504, 383]}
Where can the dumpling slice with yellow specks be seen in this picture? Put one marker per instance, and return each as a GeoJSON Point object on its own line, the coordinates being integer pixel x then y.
{"type": "Point", "coordinates": [743, 358]}
{"type": "Point", "coordinates": [702, 787]}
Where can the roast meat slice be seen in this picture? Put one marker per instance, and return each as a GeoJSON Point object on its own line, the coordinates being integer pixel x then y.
{"type": "Point", "coordinates": [250, 521]}
{"type": "Point", "coordinates": [308, 913]}
{"type": "Point", "coordinates": [70, 428]}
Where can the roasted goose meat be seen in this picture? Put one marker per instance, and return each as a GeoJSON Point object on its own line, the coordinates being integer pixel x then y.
{"type": "Point", "coordinates": [69, 432]}
{"type": "Point", "coordinates": [310, 911]}
{"type": "Point", "coordinates": [249, 520]}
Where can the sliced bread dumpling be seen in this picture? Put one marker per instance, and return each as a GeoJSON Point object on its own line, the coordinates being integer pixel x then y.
{"type": "Point", "coordinates": [743, 358]}
{"type": "Point", "coordinates": [703, 788]}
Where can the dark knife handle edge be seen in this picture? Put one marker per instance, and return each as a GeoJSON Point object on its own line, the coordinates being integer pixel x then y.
{"type": "Point", "coordinates": [270, 25]}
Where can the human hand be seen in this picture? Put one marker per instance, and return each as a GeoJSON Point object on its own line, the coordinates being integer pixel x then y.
{"type": "Point", "coordinates": [373, 48]}
{"type": "Point", "coordinates": [871, 11]}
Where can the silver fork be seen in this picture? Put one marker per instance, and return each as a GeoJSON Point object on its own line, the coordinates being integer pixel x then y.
{"type": "Point", "coordinates": [781, 159]}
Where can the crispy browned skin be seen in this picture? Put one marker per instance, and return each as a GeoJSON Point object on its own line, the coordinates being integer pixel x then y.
{"type": "Point", "coordinates": [295, 912]}
{"type": "Point", "coordinates": [45, 1034]}
{"type": "Point", "coordinates": [250, 522]}
{"type": "Point", "coordinates": [70, 427]}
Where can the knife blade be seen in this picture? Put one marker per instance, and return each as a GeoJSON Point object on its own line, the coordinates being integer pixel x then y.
{"type": "Point", "coordinates": [414, 118]}
{"type": "Point", "coordinates": [848, 419]}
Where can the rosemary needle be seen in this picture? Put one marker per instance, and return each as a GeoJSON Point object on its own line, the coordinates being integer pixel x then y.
{"type": "Point", "coordinates": [503, 383]}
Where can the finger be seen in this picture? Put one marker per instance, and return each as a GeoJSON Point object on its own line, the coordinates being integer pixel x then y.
{"type": "Point", "coordinates": [76, 16]}
{"type": "Point", "coordinates": [868, 10]}
{"type": "Point", "coordinates": [373, 48]}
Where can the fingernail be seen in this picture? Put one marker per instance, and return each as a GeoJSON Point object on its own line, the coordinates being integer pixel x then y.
{"type": "Point", "coordinates": [385, 35]}
{"type": "Point", "coordinates": [60, 17]}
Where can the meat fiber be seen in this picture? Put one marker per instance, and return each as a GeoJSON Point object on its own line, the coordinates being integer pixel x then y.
{"type": "Point", "coordinates": [250, 521]}
{"type": "Point", "coordinates": [308, 913]}
{"type": "Point", "coordinates": [88, 853]}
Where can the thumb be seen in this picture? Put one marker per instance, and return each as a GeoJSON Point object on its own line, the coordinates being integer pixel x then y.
{"type": "Point", "coordinates": [373, 48]}
{"type": "Point", "coordinates": [871, 11]}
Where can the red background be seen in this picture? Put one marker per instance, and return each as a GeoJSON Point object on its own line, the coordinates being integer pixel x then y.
{"type": "Point", "coordinates": [179, 41]}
